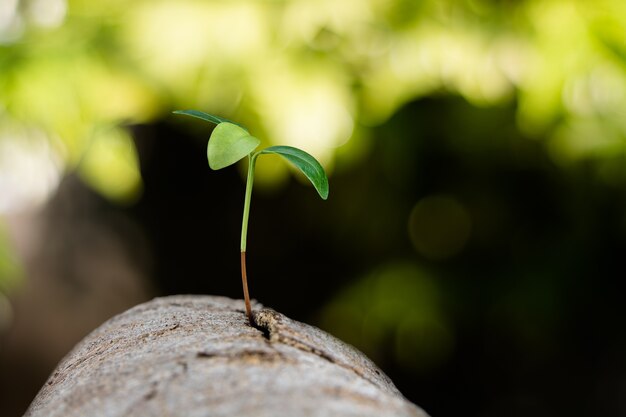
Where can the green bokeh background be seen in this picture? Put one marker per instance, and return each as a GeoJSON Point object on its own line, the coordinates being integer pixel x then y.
{"type": "Point", "coordinates": [472, 241]}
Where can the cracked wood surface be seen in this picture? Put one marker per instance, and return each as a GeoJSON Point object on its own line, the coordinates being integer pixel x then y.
{"type": "Point", "coordinates": [198, 356]}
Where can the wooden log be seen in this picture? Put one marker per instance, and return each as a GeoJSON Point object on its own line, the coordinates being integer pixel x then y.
{"type": "Point", "coordinates": [198, 356]}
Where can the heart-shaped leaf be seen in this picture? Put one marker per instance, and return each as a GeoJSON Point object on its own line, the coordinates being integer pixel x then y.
{"type": "Point", "coordinates": [305, 163]}
{"type": "Point", "coordinates": [207, 117]}
{"type": "Point", "coordinates": [228, 144]}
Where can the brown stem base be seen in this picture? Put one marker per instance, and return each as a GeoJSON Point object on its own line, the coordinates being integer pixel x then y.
{"type": "Point", "coordinates": [244, 281]}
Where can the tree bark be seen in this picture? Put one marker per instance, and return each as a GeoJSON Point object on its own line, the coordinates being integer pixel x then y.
{"type": "Point", "coordinates": [198, 356]}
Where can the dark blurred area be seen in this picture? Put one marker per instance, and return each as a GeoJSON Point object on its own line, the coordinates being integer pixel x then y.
{"type": "Point", "coordinates": [472, 242]}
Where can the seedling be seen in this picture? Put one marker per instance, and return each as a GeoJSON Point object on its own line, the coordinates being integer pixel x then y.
{"type": "Point", "coordinates": [230, 142]}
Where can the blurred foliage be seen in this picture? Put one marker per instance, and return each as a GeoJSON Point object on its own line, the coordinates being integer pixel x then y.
{"type": "Point", "coordinates": [10, 268]}
{"type": "Point", "coordinates": [306, 73]}
{"type": "Point", "coordinates": [396, 308]}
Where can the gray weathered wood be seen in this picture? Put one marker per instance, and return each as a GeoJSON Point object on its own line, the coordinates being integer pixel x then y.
{"type": "Point", "coordinates": [198, 356]}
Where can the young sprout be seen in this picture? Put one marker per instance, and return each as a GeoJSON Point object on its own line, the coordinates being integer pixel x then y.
{"type": "Point", "coordinates": [231, 142]}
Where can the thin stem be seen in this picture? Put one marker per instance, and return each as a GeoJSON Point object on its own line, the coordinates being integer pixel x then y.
{"type": "Point", "coordinates": [244, 281]}
{"type": "Point", "coordinates": [244, 234]}
{"type": "Point", "coordinates": [246, 202]}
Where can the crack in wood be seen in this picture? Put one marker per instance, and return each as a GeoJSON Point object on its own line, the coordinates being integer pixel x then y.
{"type": "Point", "coordinates": [269, 322]}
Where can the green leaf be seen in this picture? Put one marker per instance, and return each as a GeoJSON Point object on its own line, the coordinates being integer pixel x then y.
{"type": "Point", "coordinates": [228, 144]}
{"type": "Point", "coordinates": [305, 163]}
{"type": "Point", "coordinates": [207, 117]}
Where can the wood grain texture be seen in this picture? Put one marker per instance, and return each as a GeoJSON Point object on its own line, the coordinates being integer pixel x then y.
{"type": "Point", "coordinates": [198, 356]}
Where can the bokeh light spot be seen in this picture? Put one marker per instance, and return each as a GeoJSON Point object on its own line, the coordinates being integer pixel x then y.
{"type": "Point", "coordinates": [110, 165]}
{"type": "Point", "coordinates": [439, 227]}
{"type": "Point", "coordinates": [398, 308]}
